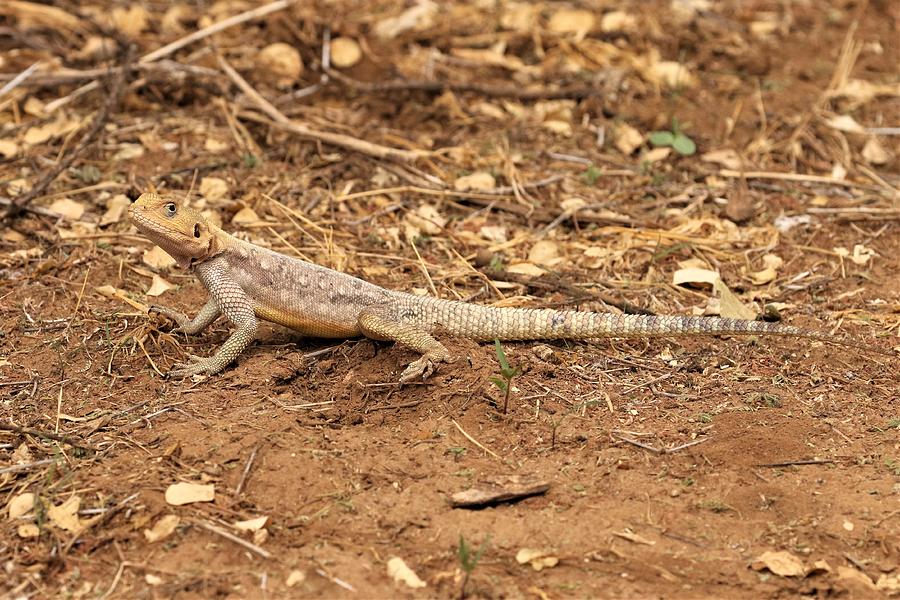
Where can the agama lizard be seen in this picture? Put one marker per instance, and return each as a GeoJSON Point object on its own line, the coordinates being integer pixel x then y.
{"type": "Point", "coordinates": [247, 283]}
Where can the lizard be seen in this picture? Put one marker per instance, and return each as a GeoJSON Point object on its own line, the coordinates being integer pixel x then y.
{"type": "Point", "coordinates": [247, 283]}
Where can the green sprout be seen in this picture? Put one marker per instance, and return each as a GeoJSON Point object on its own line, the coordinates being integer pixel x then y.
{"type": "Point", "coordinates": [469, 560]}
{"type": "Point", "coordinates": [504, 382]}
{"type": "Point", "coordinates": [676, 139]}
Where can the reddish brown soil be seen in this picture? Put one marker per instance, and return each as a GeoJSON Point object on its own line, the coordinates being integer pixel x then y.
{"type": "Point", "coordinates": [352, 468]}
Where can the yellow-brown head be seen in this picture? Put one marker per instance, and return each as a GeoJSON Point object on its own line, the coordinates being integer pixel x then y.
{"type": "Point", "coordinates": [176, 228]}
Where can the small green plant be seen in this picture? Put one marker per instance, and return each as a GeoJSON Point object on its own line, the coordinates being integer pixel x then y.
{"type": "Point", "coordinates": [676, 139]}
{"type": "Point", "coordinates": [504, 382]}
{"type": "Point", "coordinates": [592, 174]}
{"type": "Point", "coordinates": [705, 418]}
{"type": "Point", "coordinates": [250, 160]}
{"type": "Point", "coordinates": [468, 560]}
{"type": "Point", "coordinates": [89, 174]}
{"type": "Point", "coordinates": [893, 466]}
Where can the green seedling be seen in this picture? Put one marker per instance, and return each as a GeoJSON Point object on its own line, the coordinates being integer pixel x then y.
{"type": "Point", "coordinates": [504, 382]}
{"type": "Point", "coordinates": [592, 174]}
{"type": "Point", "coordinates": [469, 560]}
{"type": "Point", "coordinates": [675, 139]}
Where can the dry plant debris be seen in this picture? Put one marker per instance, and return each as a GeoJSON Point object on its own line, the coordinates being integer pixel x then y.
{"type": "Point", "coordinates": [497, 152]}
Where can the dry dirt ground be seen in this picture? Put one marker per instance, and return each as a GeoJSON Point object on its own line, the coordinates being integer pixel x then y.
{"type": "Point", "coordinates": [678, 468]}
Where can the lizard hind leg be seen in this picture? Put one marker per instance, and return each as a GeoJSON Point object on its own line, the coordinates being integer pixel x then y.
{"type": "Point", "coordinates": [379, 326]}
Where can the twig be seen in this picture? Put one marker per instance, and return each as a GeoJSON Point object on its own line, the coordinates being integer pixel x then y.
{"type": "Point", "coordinates": [27, 466]}
{"type": "Point", "coordinates": [107, 516]}
{"type": "Point", "coordinates": [797, 177]}
{"type": "Point", "coordinates": [18, 79]}
{"type": "Point", "coordinates": [485, 89]}
{"type": "Point", "coordinates": [22, 200]}
{"type": "Point", "coordinates": [335, 139]}
{"type": "Point", "coordinates": [57, 437]}
{"type": "Point", "coordinates": [247, 467]}
{"type": "Point", "coordinates": [231, 537]}
{"type": "Point", "coordinates": [474, 441]}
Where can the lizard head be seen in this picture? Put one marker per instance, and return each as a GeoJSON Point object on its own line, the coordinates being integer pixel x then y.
{"type": "Point", "coordinates": [175, 227]}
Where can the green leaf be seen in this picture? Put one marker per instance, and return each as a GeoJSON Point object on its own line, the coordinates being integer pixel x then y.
{"type": "Point", "coordinates": [684, 145]}
{"type": "Point", "coordinates": [500, 383]}
{"type": "Point", "coordinates": [501, 355]}
{"type": "Point", "coordinates": [662, 138]}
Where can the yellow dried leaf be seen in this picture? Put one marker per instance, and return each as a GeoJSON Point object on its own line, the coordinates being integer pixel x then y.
{"type": "Point", "coordinates": [401, 573]}
{"type": "Point", "coordinates": [418, 17]}
{"type": "Point", "coordinates": [128, 152]}
{"type": "Point", "coordinates": [28, 530]}
{"type": "Point", "coordinates": [158, 286]}
{"type": "Point", "coordinates": [528, 269]}
{"type": "Point", "coordinates": [21, 505]}
{"type": "Point", "coordinates": [295, 577]}
{"type": "Point", "coordinates": [178, 494]}
{"type": "Point", "coordinates": [781, 563]}
{"type": "Point", "coordinates": [656, 154]}
{"type": "Point", "coordinates": [215, 146]}
{"type": "Point", "coordinates": [345, 52]}
{"type": "Point", "coordinates": [476, 181]}
{"type": "Point", "coordinates": [151, 579]}
{"type": "Point", "coordinates": [69, 209]}
{"type": "Point", "coordinates": [545, 253]}
{"type": "Point", "coordinates": [157, 258]}
{"type": "Point", "coordinates": [628, 139]}
{"type": "Point", "coordinates": [213, 188]}
{"type": "Point", "coordinates": [244, 216]}
{"type": "Point", "coordinates": [8, 148]}
{"type": "Point", "coordinates": [574, 22]}
{"type": "Point", "coordinates": [281, 61]}
{"type": "Point", "coordinates": [163, 528]}
{"type": "Point", "coordinates": [116, 208]}
{"type": "Point", "coordinates": [764, 276]}
{"type": "Point", "coordinates": [251, 524]}
{"type": "Point", "coordinates": [130, 21]}
{"type": "Point", "coordinates": [65, 515]}
{"type": "Point", "coordinates": [617, 21]}
{"type": "Point", "coordinates": [873, 152]}
{"type": "Point", "coordinates": [673, 74]}
{"type": "Point", "coordinates": [727, 158]}
{"type": "Point", "coordinates": [538, 559]}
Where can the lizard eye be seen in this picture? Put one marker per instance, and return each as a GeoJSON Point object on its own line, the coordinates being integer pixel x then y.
{"type": "Point", "coordinates": [170, 209]}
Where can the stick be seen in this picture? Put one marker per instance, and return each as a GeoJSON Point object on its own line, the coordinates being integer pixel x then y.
{"type": "Point", "coordinates": [474, 441]}
{"type": "Point", "coordinates": [18, 79]}
{"type": "Point", "coordinates": [335, 139]}
{"type": "Point", "coordinates": [247, 467]}
{"type": "Point", "coordinates": [486, 89]}
{"type": "Point", "coordinates": [57, 437]}
{"type": "Point", "coordinates": [790, 463]}
{"type": "Point", "coordinates": [231, 537]}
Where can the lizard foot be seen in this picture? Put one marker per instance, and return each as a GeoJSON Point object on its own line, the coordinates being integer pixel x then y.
{"type": "Point", "coordinates": [179, 319]}
{"type": "Point", "coordinates": [422, 368]}
{"type": "Point", "coordinates": [196, 365]}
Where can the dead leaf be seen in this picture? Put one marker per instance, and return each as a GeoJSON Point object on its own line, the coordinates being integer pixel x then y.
{"type": "Point", "coordinates": [345, 52]}
{"type": "Point", "coordinates": [425, 219]}
{"type": "Point", "coordinates": [244, 216]}
{"type": "Point", "coordinates": [617, 21]}
{"type": "Point", "coordinates": [116, 209]}
{"type": "Point", "coordinates": [151, 579]}
{"type": "Point", "coordinates": [656, 154]}
{"type": "Point", "coordinates": [494, 233]}
{"type": "Point", "coordinates": [251, 524]}
{"type": "Point", "coordinates": [401, 573]}
{"type": "Point", "coordinates": [845, 123]}
{"type": "Point", "coordinates": [157, 258]}
{"type": "Point", "coordinates": [519, 16]}
{"type": "Point", "coordinates": [31, 15]}
{"type": "Point", "coordinates": [545, 253]}
{"type": "Point", "coordinates": [851, 575]}
{"type": "Point", "coordinates": [628, 139]}
{"type": "Point", "coordinates": [524, 268]}
{"type": "Point", "coordinates": [28, 530]}
{"type": "Point", "coordinates": [673, 74]}
{"type": "Point", "coordinates": [888, 583]}
{"type": "Point", "coordinates": [539, 559]}
{"type": "Point", "coordinates": [21, 505]}
{"type": "Point", "coordinates": [781, 563]}
{"type": "Point", "coordinates": [213, 188]}
{"type": "Point", "coordinates": [764, 276]}
{"type": "Point", "coordinates": [731, 306]}
{"type": "Point", "coordinates": [158, 286]}
{"type": "Point", "coordinates": [130, 21]}
{"type": "Point", "coordinates": [178, 494]}
{"type": "Point", "coordinates": [216, 146]}
{"type": "Point", "coordinates": [418, 17]}
{"type": "Point", "coordinates": [163, 528]}
{"type": "Point", "coordinates": [65, 515]}
{"type": "Point", "coordinates": [728, 158]}
{"type": "Point", "coordinates": [574, 22]}
{"type": "Point", "coordinates": [694, 275]}
{"type": "Point", "coordinates": [295, 577]}
{"type": "Point", "coordinates": [8, 148]}
{"type": "Point", "coordinates": [282, 61]}
{"type": "Point", "coordinates": [873, 152]}
{"type": "Point", "coordinates": [69, 209]}
{"type": "Point", "coordinates": [128, 152]}
{"type": "Point", "coordinates": [480, 181]}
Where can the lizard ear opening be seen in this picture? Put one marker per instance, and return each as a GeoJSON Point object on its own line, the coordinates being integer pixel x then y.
{"type": "Point", "coordinates": [197, 230]}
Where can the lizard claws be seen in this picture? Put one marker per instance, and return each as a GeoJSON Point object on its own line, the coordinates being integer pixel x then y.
{"type": "Point", "coordinates": [195, 365]}
{"type": "Point", "coordinates": [418, 369]}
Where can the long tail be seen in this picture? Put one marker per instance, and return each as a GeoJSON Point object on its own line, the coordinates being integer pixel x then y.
{"type": "Point", "coordinates": [488, 323]}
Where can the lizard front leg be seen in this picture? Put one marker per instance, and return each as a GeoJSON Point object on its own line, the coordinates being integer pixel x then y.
{"type": "Point", "coordinates": [184, 324]}
{"type": "Point", "coordinates": [237, 307]}
{"type": "Point", "coordinates": [379, 326]}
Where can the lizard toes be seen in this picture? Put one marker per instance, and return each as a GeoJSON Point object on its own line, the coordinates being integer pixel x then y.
{"type": "Point", "coordinates": [418, 369]}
